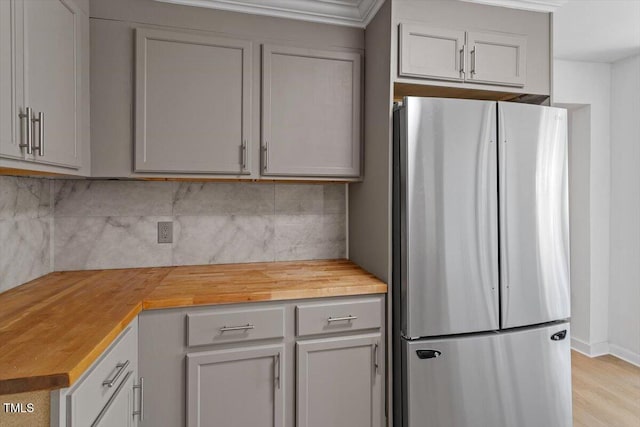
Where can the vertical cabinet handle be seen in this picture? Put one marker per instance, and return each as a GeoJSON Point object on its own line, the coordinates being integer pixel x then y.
{"type": "Point", "coordinates": [473, 61]}
{"type": "Point", "coordinates": [277, 370]}
{"type": "Point", "coordinates": [243, 156]}
{"type": "Point", "coordinates": [463, 60]}
{"type": "Point", "coordinates": [27, 133]}
{"type": "Point", "coordinates": [265, 157]}
{"type": "Point", "coordinates": [140, 412]}
{"type": "Point", "coordinates": [40, 122]}
{"type": "Point", "coordinates": [375, 358]}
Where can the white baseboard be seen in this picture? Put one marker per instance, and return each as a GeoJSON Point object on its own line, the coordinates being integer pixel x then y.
{"type": "Point", "coordinates": [591, 350]}
{"type": "Point", "coordinates": [624, 354]}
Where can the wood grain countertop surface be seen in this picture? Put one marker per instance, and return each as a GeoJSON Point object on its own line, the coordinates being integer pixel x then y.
{"type": "Point", "coordinates": [53, 328]}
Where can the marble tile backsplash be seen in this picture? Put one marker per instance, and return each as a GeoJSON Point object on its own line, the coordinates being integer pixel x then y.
{"type": "Point", "coordinates": [113, 224]}
{"type": "Point", "coordinates": [26, 218]}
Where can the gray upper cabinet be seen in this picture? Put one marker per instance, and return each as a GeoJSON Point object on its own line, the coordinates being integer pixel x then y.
{"type": "Point", "coordinates": [193, 103]}
{"type": "Point", "coordinates": [497, 58]}
{"type": "Point", "coordinates": [236, 387]}
{"type": "Point", "coordinates": [339, 382]}
{"type": "Point", "coordinates": [10, 88]}
{"type": "Point", "coordinates": [484, 57]}
{"type": "Point", "coordinates": [44, 49]}
{"type": "Point", "coordinates": [428, 52]}
{"type": "Point", "coordinates": [311, 112]}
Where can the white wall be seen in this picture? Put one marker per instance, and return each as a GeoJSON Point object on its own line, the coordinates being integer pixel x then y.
{"type": "Point", "coordinates": [589, 84]}
{"type": "Point", "coordinates": [624, 292]}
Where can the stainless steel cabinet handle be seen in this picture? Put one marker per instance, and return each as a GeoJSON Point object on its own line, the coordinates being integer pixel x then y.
{"type": "Point", "coordinates": [463, 59]}
{"type": "Point", "coordinates": [121, 367]}
{"type": "Point", "coordinates": [28, 130]}
{"type": "Point", "coordinates": [277, 369]}
{"type": "Point", "coordinates": [237, 328]}
{"type": "Point", "coordinates": [375, 357]}
{"type": "Point", "coordinates": [243, 157]}
{"type": "Point", "coordinates": [265, 155]}
{"type": "Point", "coordinates": [40, 122]}
{"type": "Point", "coordinates": [473, 61]}
{"type": "Point", "coordinates": [111, 400]}
{"type": "Point", "coordinates": [140, 412]}
{"type": "Point", "coordinates": [341, 319]}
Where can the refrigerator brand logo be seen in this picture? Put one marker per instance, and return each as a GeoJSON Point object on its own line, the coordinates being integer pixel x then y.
{"type": "Point", "coordinates": [19, 408]}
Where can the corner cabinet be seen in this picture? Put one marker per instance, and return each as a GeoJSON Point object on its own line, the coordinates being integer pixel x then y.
{"type": "Point", "coordinates": [44, 59]}
{"type": "Point", "coordinates": [193, 103]}
{"type": "Point", "coordinates": [311, 112]}
{"type": "Point", "coordinates": [109, 393]}
{"type": "Point", "coordinates": [464, 56]}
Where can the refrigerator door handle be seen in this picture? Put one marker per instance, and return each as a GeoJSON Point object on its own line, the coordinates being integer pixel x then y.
{"type": "Point", "coordinates": [428, 354]}
{"type": "Point", "coordinates": [559, 336]}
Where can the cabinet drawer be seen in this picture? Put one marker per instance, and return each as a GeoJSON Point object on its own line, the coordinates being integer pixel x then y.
{"type": "Point", "coordinates": [338, 317]}
{"type": "Point", "coordinates": [92, 393]}
{"type": "Point", "coordinates": [232, 326]}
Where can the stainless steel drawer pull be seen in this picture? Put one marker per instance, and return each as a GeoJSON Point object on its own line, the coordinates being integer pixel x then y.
{"type": "Point", "coordinates": [237, 328]}
{"type": "Point", "coordinates": [342, 319]}
{"type": "Point", "coordinates": [113, 397]}
{"type": "Point", "coordinates": [121, 368]}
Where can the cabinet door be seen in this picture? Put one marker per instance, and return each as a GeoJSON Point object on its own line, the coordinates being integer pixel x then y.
{"type": "Point", "coordinates": [497, 58]}
{"type": "Point", "coordinates": [193, 96]}
{"type": "Point", "coordinates": [310, 112]}
{"type": "Point", "coordinates": [236, 388]}
{"type": "Point", "coordinates": [119, 410]}
{"type": "Point", "coordinates": [53, 58]}
{"type": "Point", "coordinates": [432, 53]}
{"type": "Point", "coordinates": [10, 82]}
{"type": "Point", "coordinates": [339, 382]}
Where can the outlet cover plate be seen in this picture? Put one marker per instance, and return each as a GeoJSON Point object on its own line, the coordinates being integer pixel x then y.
{"type": "Point", "coordinates": [165, 232]}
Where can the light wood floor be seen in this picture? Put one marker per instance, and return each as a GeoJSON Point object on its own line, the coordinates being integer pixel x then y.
{"type": "Point", "coordinates": [606, 392]}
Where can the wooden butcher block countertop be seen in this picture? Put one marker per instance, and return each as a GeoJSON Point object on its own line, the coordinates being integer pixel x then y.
{"type": "Point", "coordinates": [53, 328]}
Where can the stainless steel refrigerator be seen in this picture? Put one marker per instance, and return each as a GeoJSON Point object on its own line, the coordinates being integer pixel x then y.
{"type": "Point", "coordinates": [481, 265]}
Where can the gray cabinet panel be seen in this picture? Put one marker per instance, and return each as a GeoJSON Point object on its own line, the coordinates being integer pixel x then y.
{"type": "Point", "coordinates": [339, 382]}
{"type": "Point", "coordinates": [534, 214]}
{"type": "Point", "coordinates": [497, 58]}
{"type": "Point", "coordinates": [236, 388]}
{"type": "Point", "coordinates": [311, 121]}
{"type": "Point", "coordinates": [193, 103]}
{"type": "Point", "coordinates": [433, 53]}
{"type": "Point", "coordinates": [53, 63]}
{"type": "Point", "coordinates": [11, 86]}
{"type": "Point", "coordinates": [119, 410]}
{"type": "Point", "coordinates": [312, 319]}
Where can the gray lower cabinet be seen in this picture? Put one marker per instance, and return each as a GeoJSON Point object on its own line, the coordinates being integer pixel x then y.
{"type": "Point", "coordinates": [253, 364]}
{"type": "Point", "coordinates": [339, 382]}
{"type": "Point", "coordinates": [236, 387]}
{"type": "Point", "coordinates": [109, 393]}
{"type": "Point", "coordinates": [310, 112]}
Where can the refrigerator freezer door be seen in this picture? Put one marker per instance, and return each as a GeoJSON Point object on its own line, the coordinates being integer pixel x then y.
{"type": "Point", "coordinates": [520, 378]}
{"type": "Point", "coordinates": [449, 239]}
{"type": "Point", "coordinates": [534, 219]}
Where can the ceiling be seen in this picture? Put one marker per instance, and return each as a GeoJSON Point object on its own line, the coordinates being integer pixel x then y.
{"type": "Point", "coordinates": [353, 13]}
{"type": "Point", "coordinates": [597, 30]}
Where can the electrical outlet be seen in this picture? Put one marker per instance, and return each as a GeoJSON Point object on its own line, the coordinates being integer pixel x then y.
{"type": "Point", "coordinates": [165, 232]}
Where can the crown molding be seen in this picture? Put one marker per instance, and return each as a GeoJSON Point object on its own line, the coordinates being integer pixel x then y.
{"type": "Point", "coordinates": [534, 5]}
{"type": "Point", "coordinates": [351, 13]}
